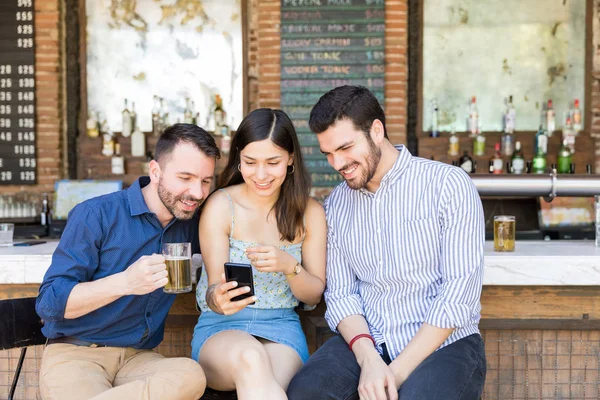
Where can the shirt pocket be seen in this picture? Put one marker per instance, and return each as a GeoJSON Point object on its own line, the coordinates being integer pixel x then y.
{"type": "Point", "coordinates": [419, 241]}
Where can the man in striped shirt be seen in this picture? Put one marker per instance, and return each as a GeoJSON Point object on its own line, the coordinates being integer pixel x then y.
{"type": "Point", "coordinates": [404, 267]}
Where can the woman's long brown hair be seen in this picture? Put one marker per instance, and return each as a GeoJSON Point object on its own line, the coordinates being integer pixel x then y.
{"type": "Point", "coordinates": [266, 123]}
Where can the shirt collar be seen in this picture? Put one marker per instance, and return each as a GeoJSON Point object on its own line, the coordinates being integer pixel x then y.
{"type": "Point", "coordinates": [398, 168]}
{"type": "Point", "coordinates": [137, 204]}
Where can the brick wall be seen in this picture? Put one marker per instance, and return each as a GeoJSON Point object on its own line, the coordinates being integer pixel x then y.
{"type": "Point", "coordinates": [264, 57]}
{"type": "Point", "coordinates": [48, 73]}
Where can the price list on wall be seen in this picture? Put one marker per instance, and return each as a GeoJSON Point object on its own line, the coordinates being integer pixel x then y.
{"type": "Point", "coordinates": [17, 93]}
{"type": "Point", "coordinates": [326, 44]}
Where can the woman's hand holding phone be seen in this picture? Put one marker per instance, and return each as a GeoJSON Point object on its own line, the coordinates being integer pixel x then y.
{"type": "Point", "coordinates": [221, 295]}
{"type": "Point", "coordinates": [271, 259]}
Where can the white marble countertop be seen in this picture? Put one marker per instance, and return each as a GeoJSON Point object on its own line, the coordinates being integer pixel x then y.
{"type": "Point", "coordinates": [533, 263]}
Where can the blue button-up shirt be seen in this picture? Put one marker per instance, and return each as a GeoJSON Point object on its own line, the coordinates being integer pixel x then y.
{"type": "Point", "coordinates": [412, 252]}
{"type": "Point", "coordinates": [104, 236]}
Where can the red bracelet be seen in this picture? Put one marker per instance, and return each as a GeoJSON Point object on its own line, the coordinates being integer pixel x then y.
{"type": "Point", "coordinates": [362, 335]}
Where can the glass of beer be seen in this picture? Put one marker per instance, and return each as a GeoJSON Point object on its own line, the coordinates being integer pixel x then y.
{"type": "Point", "coordinates": [178, 258]}
{"type": "Point", "coordinates": [504, 233]}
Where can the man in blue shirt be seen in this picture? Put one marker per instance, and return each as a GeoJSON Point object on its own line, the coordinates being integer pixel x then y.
{"type": "Point", "coordinates": [405, 239]}
{"type": "Point", "coordinates": [102, 301]}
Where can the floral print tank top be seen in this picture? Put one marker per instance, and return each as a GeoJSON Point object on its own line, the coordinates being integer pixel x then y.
{"type": "Point", "coordinates": [271, 288]}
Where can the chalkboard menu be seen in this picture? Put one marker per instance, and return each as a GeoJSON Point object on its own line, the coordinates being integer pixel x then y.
{"type": "Point", "coordinates": [17, 93]}
{"type": "Point", "coordinates": [326, 44]}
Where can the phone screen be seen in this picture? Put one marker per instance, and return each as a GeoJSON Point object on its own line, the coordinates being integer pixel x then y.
{"type": "Point", "coordinates": [242, 274]}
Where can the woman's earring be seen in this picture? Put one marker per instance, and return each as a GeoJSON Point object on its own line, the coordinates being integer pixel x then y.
{"type": "Point", "coordinates": [240, 167]}
{"type": "Point", "coordinates": [293, 169]}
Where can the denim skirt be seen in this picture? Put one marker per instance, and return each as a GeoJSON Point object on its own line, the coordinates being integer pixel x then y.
{"type": "Point", "coordinates": [279, 325]}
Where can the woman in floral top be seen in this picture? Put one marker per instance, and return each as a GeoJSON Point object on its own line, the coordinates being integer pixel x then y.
{"type": "Point", "coordinates": [261, 215]}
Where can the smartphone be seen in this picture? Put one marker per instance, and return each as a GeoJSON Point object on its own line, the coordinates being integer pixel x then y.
{"type": "Point", "coordinates": [242, 274]}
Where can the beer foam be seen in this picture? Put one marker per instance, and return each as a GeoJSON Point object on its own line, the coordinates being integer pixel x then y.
{"type": "Point", "coordinates": [504, 218]}
{"type": "Point", "coordinates": [175, 258]}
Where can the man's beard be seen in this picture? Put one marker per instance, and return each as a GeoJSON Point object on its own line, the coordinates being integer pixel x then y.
{"type": "Point", "coordinates": [170, 202]}
{"type": "Point", "coordinates": [372, 161]}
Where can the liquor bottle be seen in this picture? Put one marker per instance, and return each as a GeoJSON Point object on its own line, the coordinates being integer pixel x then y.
{"type": "Point", "coordinates": [568, 135]}
{"type": "Point", "coordinates": [126, 118]}
{"type": "Point", "coordinates": [453, 143]}
{"type": "Point", "coordinates": [528, 167]}
{"type": "Point", "coordinates": [479, 144]}
{"type": "Point", "coordinates": [188, 115]}
{"type": "Point", "coordinates": [541, 141]}
{"type": "Point", "coordinates": [538, 164]}
{"type": "Point", "coordinates": [550, 119]}
{"type": "Point", "coordinates": [572, 168]}
{"type": "Point", "coordinates": [491, 167]}
{"type": "Point", "coordinates": [108, 140]}
{"type": "Point", "coordinates": [517, 160]}
{"type": "Point", "coordinates": [133, 115]}
{"type": "Point", "coordinates": [218, 113]}
{"type": "Point", "coordinates": [466, 162]}
{"type": "Point", "coordinates": [576, 117]}
{"type": "Point", "coordinates": [156, 126]}
{"type": "Point", "coordinates": [45, 213]}
{"type": "Point", "coordinates": [473, 120]}
{"type": "Point", "coordinates": [510, 116]}
{"type": "Point", "coordinates": [225, 139]}
{"type": "Point", "coordinates": [138, 142]}
{"type": "Point", "coordinates": [509, 168]}
{"type": "Point", "coordinates": [118, 161]}
{"type": "Point", "coordinates": [588, 169]}
{"type": "Point", "coordinates": [564, 159]}
{"type": "Point", "coordinates": [434, 119]}
{"type": "Point", "coordinates": [507, 144]}
{"type": "Point", "coordinates": [496, 160]}
{"type": "Point", "coordinates": [93, 130]}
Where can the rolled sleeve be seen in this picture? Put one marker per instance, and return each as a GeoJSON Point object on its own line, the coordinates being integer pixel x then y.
{"type": "Point", "coordinates": [74, 261]}
{"type": "Point", "coordinates": [461, 255]}
{"type": "Point", "coordinates": [342, 292]}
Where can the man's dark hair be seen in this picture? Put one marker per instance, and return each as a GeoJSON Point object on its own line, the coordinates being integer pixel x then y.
{"type": "Point", "coordinates": [188, 133]}
{"type": "Point", "coordinates": [354, 103]}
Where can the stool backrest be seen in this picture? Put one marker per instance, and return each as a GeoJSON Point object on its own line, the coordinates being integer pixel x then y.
{"type": "Point", "coordinates": [20, 326]}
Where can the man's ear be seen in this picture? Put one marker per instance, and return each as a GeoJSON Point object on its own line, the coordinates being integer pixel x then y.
{"type": "Point", "coordinates": [377, 131]}
{"type": "Point", "coordinates": [154, 171]}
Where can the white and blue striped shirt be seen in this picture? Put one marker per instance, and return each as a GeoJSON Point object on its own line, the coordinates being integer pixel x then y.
{"type": "Point", "coordinates": [412, 252]}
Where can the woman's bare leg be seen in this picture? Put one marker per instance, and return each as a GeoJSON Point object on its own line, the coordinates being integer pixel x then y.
{"type": "Point", "coordinates": [285, 361]}
{"type": "Point", "coordinates": [236, 360]}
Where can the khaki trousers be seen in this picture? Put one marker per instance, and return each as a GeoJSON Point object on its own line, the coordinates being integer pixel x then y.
{"type": "Point", "coordinates": [70, 372]}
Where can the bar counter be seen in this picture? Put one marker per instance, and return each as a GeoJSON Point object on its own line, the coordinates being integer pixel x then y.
{"type": "Point", "coordinates": [533, 263]}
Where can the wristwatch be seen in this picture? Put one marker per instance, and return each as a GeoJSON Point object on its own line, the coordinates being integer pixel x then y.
{"type": "Point", "coordinates": [297, 269]}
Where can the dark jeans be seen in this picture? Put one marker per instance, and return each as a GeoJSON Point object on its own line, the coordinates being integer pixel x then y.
{"type": "Point", "coordinates": [455, 372]}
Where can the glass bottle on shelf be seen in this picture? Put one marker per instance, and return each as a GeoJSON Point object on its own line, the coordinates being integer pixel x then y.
{"type": "Point", "coordinates": [541, 141]}
{"type": "Point", "coordinates": [138, 143]}
{"type": "Point", "coordinates": [45, 213]}
{"type": "Point", "coordinates": [218, 114]}
{"type": "Point", "coordinates": [564, 159]}
{"type": "Point", "coordinates": [538, 164]}
{"type": "Point", "coordinates": [576, 117]}
{"type": "Point", "coordinates": [126, 118]}
{"type": "Point", "coordinates": [517, 160]}
{"type": "Point", "coordinates": [92, 125]}
{"type": "Point", "coordinates": [453, 143]}
{"type": "Point", "coordinates": [496, 160]}
{"type": "Point", "coordinates": [133, 115]}
{"type": "Point", "coordinates": [466, 162]}
{"type": "Point", "coordinates": [479, 144]}
{"type": "Point", "coordinates": [108, 140]}
{"type": "Point", "coordinates": [550, 118]}
{"type": "Point", "coordinates": [510, 116]}
{"type": "Point", "coordinates": [473, 119]}
{"type": "Point", "coordinates": [117, 161]}
{"type": "Point", "coordinates": [569, 135]}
